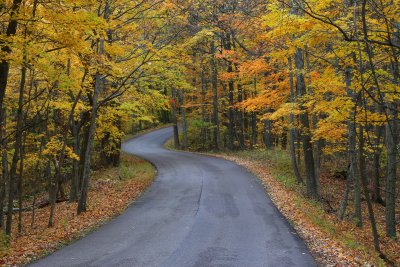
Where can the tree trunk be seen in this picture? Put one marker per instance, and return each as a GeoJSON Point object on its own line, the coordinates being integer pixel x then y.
{"type": "Point", "coordinates": [203, 107]}
{"type": "Point", "coordinates": [240, 118]}
{"type": "Point", "coordinates": [392, 157]}
{"type": "Point", "coordinates": [20, 185]}
{"type": "Point", "coordinates": [292, 136]}
{"type": "Point", "coordinates": [267, 136]}
{"type": "Point", "coordinates": [316, 143]}
{"type": "Point", "coordinates": [175, 119]}
{"type": "Point", "coordinates": [17, 152]}
{"type": "Point", "coordinates": [364, 183]}
{"type": "Point", "coordinates": [184, 122]}
{"type": "Point", "coordinates": [92, 128]}
{"type": "Point", "coordinates": [231, 124]}
{"type": "Point", "coordinates": [312, 190]}
{"type": "Point", "coordinates": [352, 143]}
{"type": "Point", "coordinates": [376, 194]}
{"type": "Point", "coordinates": [4, 165]}
{"type": "Point", "coordinates": [214, 83]}
{"type": "Point", "coordinates": [5, 65]}
{"type": "Point", "coordinates": [254, 119]}
{"type": "Point", "coordinates": [73, 196]}
{"type": "Point", "coordinates": [357, 179]}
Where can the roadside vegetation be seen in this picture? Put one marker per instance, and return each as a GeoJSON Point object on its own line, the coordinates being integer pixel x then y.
{"type": "Point", "coordinates": [111, 191]}
{"type": "Point", "coordinates": [331, 240]}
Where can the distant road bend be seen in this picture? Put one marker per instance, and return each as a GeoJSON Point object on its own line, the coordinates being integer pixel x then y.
{"type": "Point", "coordinates": [200, 211]}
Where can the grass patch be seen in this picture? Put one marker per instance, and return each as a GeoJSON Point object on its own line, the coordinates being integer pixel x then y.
{"type": "Point", "coordinates": [4, 244]}
{"type": "Point", "coordinates": [277, 161]}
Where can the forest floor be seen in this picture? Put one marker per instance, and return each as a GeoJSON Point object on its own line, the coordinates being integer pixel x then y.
{"type": "Point", "coordinates": [332, 242]}
{"type": "Point", "coordinates": [111, 192]}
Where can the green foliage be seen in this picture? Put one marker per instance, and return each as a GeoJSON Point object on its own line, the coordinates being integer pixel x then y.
{"type": "Point", "coordinates": [278, 161]}
{"type": "Point", "coordinates": [4, 243]}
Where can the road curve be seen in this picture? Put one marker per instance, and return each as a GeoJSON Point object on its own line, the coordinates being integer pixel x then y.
{"type": "Point", "coordinates": [200, 211]}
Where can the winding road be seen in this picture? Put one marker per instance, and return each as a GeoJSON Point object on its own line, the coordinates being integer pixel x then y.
{"type": "Point", "coordinates": [200, 211]}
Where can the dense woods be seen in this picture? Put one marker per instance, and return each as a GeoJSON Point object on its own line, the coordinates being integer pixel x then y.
{"type": "Point", "coordinates": [318, 79]}
{"type": "Point", "coordinates": [74, 80]}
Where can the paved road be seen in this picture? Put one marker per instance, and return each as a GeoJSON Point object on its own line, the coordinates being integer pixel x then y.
{"type": "Point", "coordinates": [200, 211]}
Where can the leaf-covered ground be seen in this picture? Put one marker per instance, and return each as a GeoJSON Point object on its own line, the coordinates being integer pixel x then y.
{"type": "Point", "coordinates": [332, 242]}
{"type": "Point", "coordinates": [111, 191]}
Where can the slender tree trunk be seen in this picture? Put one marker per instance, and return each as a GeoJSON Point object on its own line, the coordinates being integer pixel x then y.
{"type": "Point", "coordinates": [17, 153]}
{"type": "Point", "coordinates": [240, 118]}
{"type": "Point", "coordinates": [5, 65]}
{"type": "Point", "coordinates": [214, 83]}
{"type": "Point", "coordinates": [317, 143]}
{"type": "Point", "coordinates": [254, 118]}
{"type": "Point", "coordinates": [352, 143]}
{"type": "Point", "coordinates": [34, 184]}
{"type": "Point", "coordinates": [392, 142]}
{"type": "Point", "coordinates": [175, 119]}
{"type": "Point", "coordinates": [312, 190]}
{"type": "Point", "coordinates": [203, 106]}
{"type": "Point", "coordinates": [358, 179]}
{"type": "Point", "coordinates": [53, 189]}
{"type": "Point", "coordinates": [90, 142]}
{"type": "Point", "coordinates": [364, 182]}
{"type": "Point", "coordinates": [75, 164]}
{"type": "Point", "coordinates": [268, 137]}
{"type": "Point", "coordinates": [4, 164]}
{"type": "Point", "coordinates": [20, 185]}
{"type": "Point", "coordinates": [184, 122]}
{"type": "Point", "coordinates": [231, 124]}
{"type": "Point", "coordinates": [392, 158]}
{"type": "Point", "coordinates": [376, 195]}
{"type": "Point", "coordinates": [292, 136]}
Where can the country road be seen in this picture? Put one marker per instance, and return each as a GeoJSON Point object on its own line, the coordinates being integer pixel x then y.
{"type": "Point", "coordinates": [200, 211]}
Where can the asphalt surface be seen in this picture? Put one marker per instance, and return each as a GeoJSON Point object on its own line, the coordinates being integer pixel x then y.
{"type": "Point", "coordinates": [200, 211]}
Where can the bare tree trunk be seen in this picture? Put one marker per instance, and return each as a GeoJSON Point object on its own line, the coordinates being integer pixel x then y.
{"type": "Point", "coordinates": [20, 185]}
{"type": "Point", "coordinates": [17, 153]}
{"type": "Point", "coordinates": [184, 122]}
{"type": "Point", "coordinates": [4, 165]}
{"type": "Point", "coordinates": [376, 195]}
{"type": "Point", "coordinates": [240, 118]}
{"type": "Point", "coordinates": [53, 189]}
{"type": "Point", "coordinates": [392, 142]}
{"type": "Point", "coordinates": [267, 136]}
{"type": "Point", "coordinates": [364, 182]}
{"type": "Point", "coordinates": [292, 136]}
{"type": "Point", "coordinates": [4, 64]}
{"type": "Point", "coordinates": [73, 196]}
{"type": "Point", "coordinates": [317, 143]}
{"type": "Point", "coordinates": [352, 143]}
{"type": "Point", "coordinates": [90, 142]}
{"type": "Point", "coordinates": [392, 158]}
{"type": "Point", "coordinates": [312, 190]}
{"type": "Point", "coordinates": [175, 119]}
{"type": "Point", "coordinates": [357, 179]}
{"type": "Point", "coordinates": [231, 124]}
{"type": "Point", "coordinates": [254, 119]}
{"type": "Point", "coordinates": [203, 106]}
{"type": "Point", "coordinates": [214, 83]}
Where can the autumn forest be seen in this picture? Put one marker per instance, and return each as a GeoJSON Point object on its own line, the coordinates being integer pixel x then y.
{"type": "Point", "coordinates": [314, 81]}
